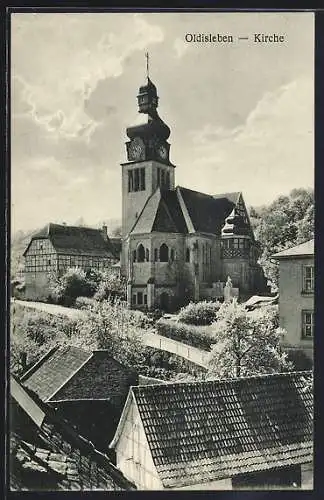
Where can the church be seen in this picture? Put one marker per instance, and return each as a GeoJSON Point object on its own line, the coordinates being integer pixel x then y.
{"type": "Point", "coordinates": [178, 245]}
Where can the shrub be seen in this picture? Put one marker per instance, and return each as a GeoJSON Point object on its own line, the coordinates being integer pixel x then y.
{"type": "Point", "coordinates": [84, 302]}
{"type": "Point", "coordinates": [200, 337]}
{"type": "Point", "coordinates": [110, 286]}
{"type": "Point", "coordinates": [200, 313]}
{"type": "Point", "coordinates": [72, 284]}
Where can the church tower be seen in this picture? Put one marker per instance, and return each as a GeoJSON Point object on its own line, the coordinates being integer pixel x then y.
{"type": "Point", "coordinates": [148, 166]}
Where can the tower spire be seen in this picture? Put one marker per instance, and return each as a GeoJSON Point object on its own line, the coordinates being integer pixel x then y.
{"type": "Point", "coordinates": [147, 65]}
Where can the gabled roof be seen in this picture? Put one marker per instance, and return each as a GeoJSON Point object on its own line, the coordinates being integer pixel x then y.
{"type": "Point", "coordinates": [183, 210]}
{"type": "Point", "coordinates": [161, 213]}
{"type": "Point", "coordinates": [233, 197]}
{"type": "Point", "coordinates": [206, 212]}
{"type": "Point", "coordinates": [203, 431]}
{"type": "Point", "coordinates": [305, 249]}
{"type": "Point", "coordinates": [54, 370]}
{"type": "Point", "coordinates": [75, 240]}
{"type": "Point", "coordinates": [71, 373]}
{"type": "Point", "coordinates": [49, 454]}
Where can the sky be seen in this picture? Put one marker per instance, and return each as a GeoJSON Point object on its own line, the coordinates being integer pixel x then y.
{"type": "Point", "coordinates": [241, 115]}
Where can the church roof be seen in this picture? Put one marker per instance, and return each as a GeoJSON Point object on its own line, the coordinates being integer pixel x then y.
{"type": "Point", "coordinates": [75, 240]}
{"type": "Point", "coordinates": [207, 213]}
{"type": "Point", "coordinates": [233, 197]}
{"type": "Point", "coordinates": [161, 213]}
{"type": "Point", "coordinates": [208, 430]}
{"type": "Point", "coordinates": [167, 210]}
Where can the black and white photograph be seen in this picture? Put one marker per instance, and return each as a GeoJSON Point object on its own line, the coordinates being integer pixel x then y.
{"type": "Point", "coordinates": [162, 250]}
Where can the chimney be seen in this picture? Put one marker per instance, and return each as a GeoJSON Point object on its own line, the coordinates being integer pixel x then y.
{"type": "Point", "coordinates": [104, 232]}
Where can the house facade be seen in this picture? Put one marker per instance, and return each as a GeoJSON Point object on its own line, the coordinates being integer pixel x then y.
{"type": "Point", "coordinates": [178, 244]}
{"type": "Point", "coordinates": [253, 432]}
{"type": "Point", "coordinates": [57, 247]}
{"type": "Point", "coordinates": [296, 296]}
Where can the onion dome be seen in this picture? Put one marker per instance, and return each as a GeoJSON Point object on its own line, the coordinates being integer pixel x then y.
{"type": "Point", "coordinates": [235, 225]}
{"type": "Point", "coordinates": [147, 104]}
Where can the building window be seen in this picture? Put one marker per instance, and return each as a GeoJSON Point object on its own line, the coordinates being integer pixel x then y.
{"type": "Point", "coordinates": [142, 179]}
{"type": "Point", "coordinates": [134, 299]}
{"type": "Point", "coordinates": [167, 180]}
{"type": "Point", "coordinates": [147, 255]}
{"type": "Point", "coordinates": [308, 279]}
{"type": "Point", "coordinates": [308, 324]}
{"type": "Point", "coordinates": [187, 255]}
{"type": "Point", "coordinates": [145, 299]}
{"type": "Point", "coordinates": [136, 180]}
{"type": "Point", "coordinates": [155, 254]}
{"type": "Point", "coordinates": [140, 253]}
{"type": "Point", "coordinates": [139, 298]}
{"type": "Point", "coordinates": [164, 253]}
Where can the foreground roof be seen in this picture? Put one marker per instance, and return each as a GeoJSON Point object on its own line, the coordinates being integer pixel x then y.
{"type": "Point", "coordinates": [71, 373]}
{"type": "Point", "coordinates": [47, 454]}
{"type": "Point", "coordinates": [305, 249]}
{"type": "Point", "coordinates": [203, 431]}
{"type": "Point", "coordinates": [76, 240]}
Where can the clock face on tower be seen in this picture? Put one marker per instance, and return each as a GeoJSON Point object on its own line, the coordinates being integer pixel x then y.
{"type": "Point", "coordinates": [136, 149]}
{"type": "Point", "coordinates": [162, 152]}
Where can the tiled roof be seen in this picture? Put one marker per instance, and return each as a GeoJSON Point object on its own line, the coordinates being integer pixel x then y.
{"type": "Point", "coordinates": [204, 431]}
{"type": "Point", "coordinates": [304, 249]}
{"type": "Point", "coordinates": [101, 377]}
{"type": "Point", "coordinates": [74, 240]}
{"type": "Point", "coordinates": [48, 454]}
{"type": "Point", "coordinates": [46, 377]}
{"type": "Point", "coordinates": [71, 373]}
{"type": "Point", "coordinates": [206, 212]}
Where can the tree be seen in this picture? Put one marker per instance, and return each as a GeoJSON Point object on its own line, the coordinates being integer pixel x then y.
{"type": "Point", "coordinates": [110, 286]}
{"type": "Point", "coordinates": [286, 222]}
{"type": "Point", "coordinates": [74, 283]}
{"type": "Point", "coordinates": [33, 333]}
{"type": "Point", "coordinates": [247, 343]}
{"type": "Point", "coordinates": [114, 328]}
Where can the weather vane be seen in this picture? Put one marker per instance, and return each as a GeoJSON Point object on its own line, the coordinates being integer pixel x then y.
{"type": "Point", "coordinates": [147, 64]}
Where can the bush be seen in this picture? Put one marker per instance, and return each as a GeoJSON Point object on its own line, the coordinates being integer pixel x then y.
{"type": "Point", "coordinates": [72, 284]}
{"type": "Point", "coordinates": [200, 337]}
{"type": "Point", "coordinates": [84, 302]}
{"type": "Point", "coordinates": [200, 313]}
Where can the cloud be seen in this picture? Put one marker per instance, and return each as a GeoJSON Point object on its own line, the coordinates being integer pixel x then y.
{"type": "Point", "coordinates": [80, 54]}
{"type": "Point", "coordinates": [271, 152]}
{"type": "Point", "coordinates": [180, 47]}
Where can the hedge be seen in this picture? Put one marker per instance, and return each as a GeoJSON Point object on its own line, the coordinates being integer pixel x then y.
{"type": "Point", "coordinates": [196, 336]}
{"type": "Point", "coordinates": [199, 313]}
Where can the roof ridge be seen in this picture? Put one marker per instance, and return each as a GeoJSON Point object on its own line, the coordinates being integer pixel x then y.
{"type": "Point", "coordinates": [38, 363]}
{"type": "Point", "coordinates": [194, 191]}
{"type": "Point", "coordinates": [232, 379]}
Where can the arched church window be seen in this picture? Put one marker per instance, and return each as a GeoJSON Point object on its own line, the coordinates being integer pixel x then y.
{"type": "Point", "coordinates": [156, 254]}
{"type": "Point", "coordinates": [147, 255]}
{"type": "Point", "coordinates": [140, 253]}
{"type": "Point", "coordinates": [187, 255]}
{"type": "Point", "coordinates": [164, 253]}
